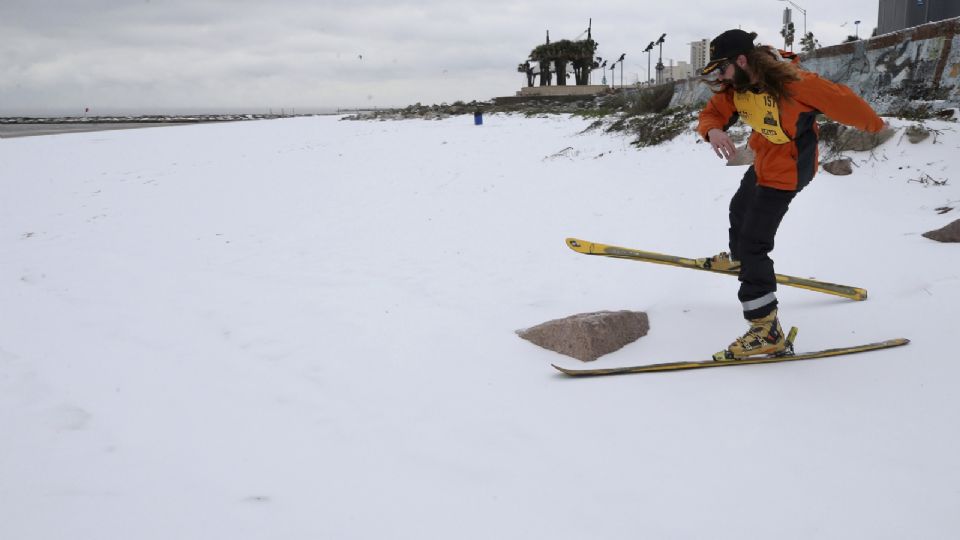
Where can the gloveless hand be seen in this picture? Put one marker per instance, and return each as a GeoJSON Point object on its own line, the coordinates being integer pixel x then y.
{"type": "Point", "coordinates": [722, 144]}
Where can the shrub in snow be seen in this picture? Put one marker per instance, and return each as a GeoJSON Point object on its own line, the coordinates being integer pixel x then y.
{"type": "Point", "coordinates": [917, 133]}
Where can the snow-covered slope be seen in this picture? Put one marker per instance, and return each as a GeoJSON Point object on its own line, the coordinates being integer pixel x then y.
{"type": "Point", "coordinates": [304, 328]}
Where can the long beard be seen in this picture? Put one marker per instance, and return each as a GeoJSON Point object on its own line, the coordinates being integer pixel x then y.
{"type": "Point", "coordinates": [741, 79]}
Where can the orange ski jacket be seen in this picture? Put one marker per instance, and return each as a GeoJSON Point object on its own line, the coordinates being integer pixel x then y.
{"type": "Point", "coordinates": [785, 132]}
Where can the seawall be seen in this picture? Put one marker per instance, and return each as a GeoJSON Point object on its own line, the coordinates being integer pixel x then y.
{"type": "Point", "coordinates": [912, 68]}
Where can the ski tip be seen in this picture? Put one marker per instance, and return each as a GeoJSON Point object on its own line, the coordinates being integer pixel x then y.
{"type": "Point", "coordinates": [580, 246]}
{"type": "Point", "coordinates": [856, 294]}
{"type": "Point", "coordinates": [565, 371]}
{"type": "Point", "coordinates": [853, 293]}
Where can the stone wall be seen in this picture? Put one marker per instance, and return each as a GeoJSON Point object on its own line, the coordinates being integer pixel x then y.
{"type": "Point", "coordinates": [915, 67]}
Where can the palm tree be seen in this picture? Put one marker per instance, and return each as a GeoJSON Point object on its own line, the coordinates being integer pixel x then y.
{"type": "Point", "coordinates": [563, 52]}
{"type": "Point", "coordinates": [583, 60]}
{"type": "Point", "coordinates": [809, 43]}
{"type": "Point", "coordinates": [788, 32]}
{"type": "Point", "coordinates": [562, 55]}
{"type": "Point", "coordinates": [545, 55]}
{"type": "Point", "coordinates": [528, 70]}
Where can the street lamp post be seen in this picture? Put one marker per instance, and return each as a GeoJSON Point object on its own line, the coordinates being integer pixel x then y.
{"type": "Point", "coordinates": [857, 24]}
{"type": "Point", "coordinates": [801, 11]}
{"type": "Point", "coordinates": [622, 56]}
{"type": "Point", "coordinates": [647, 50]}
{"type": "Point", "coordinates": [660, 59]}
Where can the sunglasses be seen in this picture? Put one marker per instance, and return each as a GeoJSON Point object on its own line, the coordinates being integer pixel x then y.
{"type": "Point", "coordinates": [721, 67]}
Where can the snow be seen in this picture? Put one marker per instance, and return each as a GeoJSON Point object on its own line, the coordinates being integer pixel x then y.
{"type": "Point", "coordinates": [304, 328]}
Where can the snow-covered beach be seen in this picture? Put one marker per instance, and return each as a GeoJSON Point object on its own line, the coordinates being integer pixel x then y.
{"type": "Point", "coordinates": [304, 328]}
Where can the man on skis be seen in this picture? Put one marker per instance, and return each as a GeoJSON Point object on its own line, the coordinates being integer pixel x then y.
{"type": "Point", "coordinates": [780, 102]}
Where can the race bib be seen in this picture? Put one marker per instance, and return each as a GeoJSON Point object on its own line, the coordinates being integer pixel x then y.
{"type": "Point", "coordinates": [760, 111]}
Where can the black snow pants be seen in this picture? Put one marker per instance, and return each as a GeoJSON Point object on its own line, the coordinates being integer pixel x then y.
{"type": "Point", "coordinates": [755, 215]}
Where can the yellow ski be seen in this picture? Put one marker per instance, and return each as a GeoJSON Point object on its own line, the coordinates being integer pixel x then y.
{"type": "Point", "coordinates": [676, 366]}
{"type": "Point", "coordinates": [593, 248]}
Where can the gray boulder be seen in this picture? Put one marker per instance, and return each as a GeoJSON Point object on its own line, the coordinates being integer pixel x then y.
{"type": "Point", "coordinates": [589, 336]}
{"type": "Point", "coordinates": [842, 138]}
{"type": "Point", "coordinates": [744, 156]}
{"type": "Point", "coordinates": [950, 233]}
{"type": "Point", "coordinates": [839, 167]}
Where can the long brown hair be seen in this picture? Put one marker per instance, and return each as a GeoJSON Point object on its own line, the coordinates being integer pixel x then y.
{"type": "Point", "coordinates": [771, 72]}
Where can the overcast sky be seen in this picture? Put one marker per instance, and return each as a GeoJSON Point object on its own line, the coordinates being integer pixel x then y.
{"type": "Point", "coordinates": [65, 55]}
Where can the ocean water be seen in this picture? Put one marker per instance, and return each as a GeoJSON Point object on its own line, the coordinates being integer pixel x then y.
{"type": "Point", "coordinates": [55, 112]}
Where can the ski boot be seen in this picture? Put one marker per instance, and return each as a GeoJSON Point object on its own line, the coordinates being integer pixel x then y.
{"type": "Point", "coordinates": [765, 337]}
{"type": "Point", "coordinates": [721, 261]}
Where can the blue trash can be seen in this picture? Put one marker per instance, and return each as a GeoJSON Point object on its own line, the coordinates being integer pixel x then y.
{"type": "Point", "coordinates": [478, 118]}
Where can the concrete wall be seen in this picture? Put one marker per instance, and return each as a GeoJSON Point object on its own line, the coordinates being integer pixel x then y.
{"type": "Point", "coordinates": [568, 90]}
{"type": "Point", "coordinates": [913, 67]}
